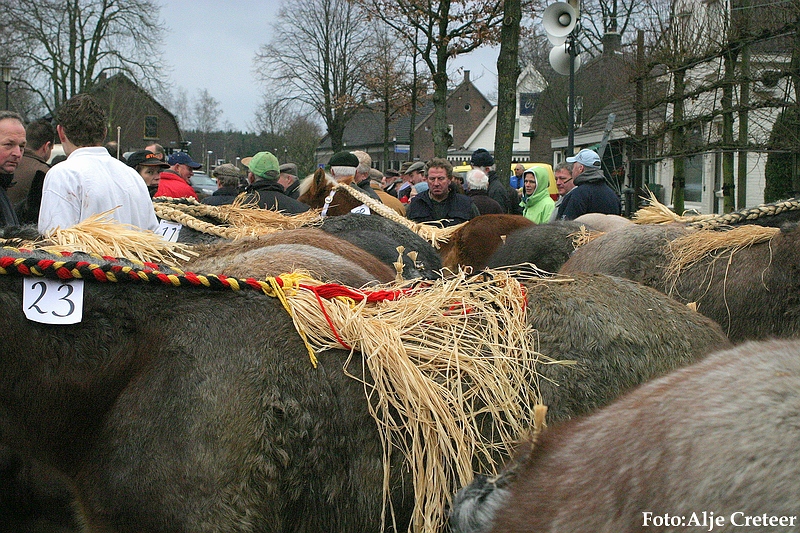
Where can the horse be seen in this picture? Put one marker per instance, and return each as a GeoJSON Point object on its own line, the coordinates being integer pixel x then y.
{"type": "Point", "coordinates": [472, 244]}
{"type": "Point", "coordinates": [712, 445]}
{"type": "Point", "coordinates": [320, 191]}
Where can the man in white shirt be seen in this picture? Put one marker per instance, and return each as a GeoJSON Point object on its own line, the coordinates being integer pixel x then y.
{"type": "Point", "coordinates": [90, 181]}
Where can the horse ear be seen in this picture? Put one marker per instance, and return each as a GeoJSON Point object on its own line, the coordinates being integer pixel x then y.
{"type": "Point", "coordinates": [320, 178]}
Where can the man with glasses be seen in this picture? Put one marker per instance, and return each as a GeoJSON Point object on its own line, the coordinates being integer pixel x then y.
{"type": "Point", "coordinates": [591, 193]}
{"type": "Point", "coordinates": [439, 203]}
{"type": "Point", "coordinates": [174, 181]}
{"type": "Point", "coordinates": [564, 184]}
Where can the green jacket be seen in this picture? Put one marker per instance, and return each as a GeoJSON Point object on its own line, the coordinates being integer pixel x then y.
{"type": "Point", "coordinates": [539, 206]}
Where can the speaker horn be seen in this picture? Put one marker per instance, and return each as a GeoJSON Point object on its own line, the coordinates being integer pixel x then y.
{"type": "Point", "coordinates": [559, 20]}
{"type": "Point", "coordinates": [559, 60]}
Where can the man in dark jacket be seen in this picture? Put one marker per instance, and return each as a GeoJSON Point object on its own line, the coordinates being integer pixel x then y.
{"type": "Point", "coordinates": [498, 191]}
{"type": "Point", "coordinates": [439, 203]}
{"type": "Point", "coordinates": [591, 193]}
{"type": "Point", "coordinates": [12, 144]}
{"type": "Point", "coordinates": [264, 188]}
{"type": "Point", "coordinates": [228, 178]}
{"type": "Point", "coordinates": [26, 192]}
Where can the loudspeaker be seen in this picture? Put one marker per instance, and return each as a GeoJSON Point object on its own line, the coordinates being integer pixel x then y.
{"type": "Point", "coordinates": [559, 60]}
{"type": "Point", "coordinates": [559, 20]}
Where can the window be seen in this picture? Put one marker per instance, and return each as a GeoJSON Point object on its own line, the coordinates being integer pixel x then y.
{"type": "Point", "coordinates": [151, 127]}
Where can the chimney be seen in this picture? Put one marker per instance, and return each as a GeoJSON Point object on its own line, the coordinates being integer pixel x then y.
{"type": "Point", "coordinates": [466, 76]}
{"type": "Point", "coordinates": [612, 43]}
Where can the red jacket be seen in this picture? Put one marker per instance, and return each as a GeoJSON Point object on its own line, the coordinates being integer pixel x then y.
{"type": "Point", "coordinates": [173, 186]}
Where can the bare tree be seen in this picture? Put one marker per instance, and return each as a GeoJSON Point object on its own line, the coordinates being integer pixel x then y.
{"type": "Point", "coordinates": [446, 28]}
{"type": "Point", "coordinates": [207, 114]}
{"type": "Point", "coordinates": [389, 82]}
{"type": "Point", "coordinates": [320, 61]}
{"type": "Point", "coordinates": [508, 72]}
{"type": "Point", "coordinates": [271, 116]}
{"type": "Point", "coordinates": [68, 45]}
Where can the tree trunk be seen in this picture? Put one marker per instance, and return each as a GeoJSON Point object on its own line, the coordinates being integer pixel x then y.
{"type": "Point", "coordinates": [744, 124]}
{"type": "Point", "coordinates": [678, 144]}
{"type": "Point", "coordinates": [726, 102]}
{"type": "Point", "coordinates": [509, 71]}
{"type": "Point", "coordinates": [440, 135]}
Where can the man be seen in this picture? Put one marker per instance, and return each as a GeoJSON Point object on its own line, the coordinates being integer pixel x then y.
{"type": "Point", "coordinates": [477, 184]}
{"type": "Point", "coordinates": [26, 192]}
{"type": "Point", "coordinates": [228, 178]}
{"type": "Point", "coordinates": [517, 181]}
{"type": "Point", "coordinates": [361, 177]}
{"type": "Point", "coordinates": [264, 188]}
{"type": "Point", "coordinates": [175, 180]}
{"type": "Point", "coordinates": [564, 184]}
{"type": "Point", "coordinates": [12, 145]}
{"type": "Point", "coordinates": [289, 180]}
{"type": "Point", "coordinates": [505, 196]}
{"type": "Point", "coordinates": [156, 149]}
{"type": "Point", "coordinates": [591, 193]}
{"type": "Point", "coordinates": [413, 175]}
{"type": "Point", "coordinates": [439, 203]}
{"type": "Point", "coordinates": [90, 181]}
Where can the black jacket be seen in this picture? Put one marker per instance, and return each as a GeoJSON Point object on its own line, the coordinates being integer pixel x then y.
{"type": "Point", "coordinates": [505, 196]}
{"type": "Point", "coordinates": [591, 195]}
{"type": "Point", "coordinates": [222, 196]}
{"type": "Point", "coordinates": [7, 215]}
{"type": "Point", "coordinates": [455, 209]}
{"type": "Point", "coordinates": [269, 195]}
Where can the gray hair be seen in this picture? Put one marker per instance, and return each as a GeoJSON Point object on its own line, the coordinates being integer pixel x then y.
{"type": "Point", "coordinates": [563, 166]}
{"type": "Point", "coordinates": [477, 180]}
{"type": "Point", "coordinates": [11, 114]}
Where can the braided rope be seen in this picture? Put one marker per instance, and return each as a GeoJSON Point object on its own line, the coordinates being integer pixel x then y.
{"type": "Point", "coordinates": [175, 214]}
{"type": "Point", "coordinates": [752, 213]}
{"type": "Point", "coordinates": [434, 235]}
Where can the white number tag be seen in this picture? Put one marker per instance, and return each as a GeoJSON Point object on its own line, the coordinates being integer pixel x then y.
{"type": "Point", "coordinates": [361, 210]}
{"type": "Point", "coordinates": [52, 302]}
{"type": "Point", "coordinates": [169, 230]}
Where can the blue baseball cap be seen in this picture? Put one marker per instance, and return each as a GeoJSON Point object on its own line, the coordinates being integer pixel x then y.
{"type": "Point", "coordinates": [586, 157]}
{"type": "Point", "coordinates": [182, 158]}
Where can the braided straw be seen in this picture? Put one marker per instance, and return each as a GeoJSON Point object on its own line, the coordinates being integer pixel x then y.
{"type": "Point", "coordinates": [433, 234]}
{"type": "Point", "coordinates": [752, 213]}
{"type": "Point", "coordinates": [236, 220]}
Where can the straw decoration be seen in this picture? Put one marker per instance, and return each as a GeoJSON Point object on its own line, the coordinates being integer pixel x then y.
{"type": "Point", "coordinates": [433, 234]}
{"type": "Point", "coordinates": [689, 249]}
{"type": "Point", "coordinates": [658, 213]}
{"type": "Point", "coordinates": [584, 236]}
{"type": "Point", "coordinates": [102, 235]}
{"type": "Point", "coordinates": [443, 361]}
{"type": "Point", "coordinates": [235, 221]}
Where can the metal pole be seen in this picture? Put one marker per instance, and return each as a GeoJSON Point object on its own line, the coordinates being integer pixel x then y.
{"type": "Point", "coordinates": [571, 125]}
{"type": "Point", "coordinates": [7, 84]}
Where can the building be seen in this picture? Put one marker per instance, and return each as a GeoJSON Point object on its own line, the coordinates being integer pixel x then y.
{"type": "Point", "coordinates": [134, 116]}
{"type": "Point", "coordinates": [467, 108]}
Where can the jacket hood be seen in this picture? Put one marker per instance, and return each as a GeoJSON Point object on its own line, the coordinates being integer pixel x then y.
{"type": "Point", "coordinates": [590, 175]}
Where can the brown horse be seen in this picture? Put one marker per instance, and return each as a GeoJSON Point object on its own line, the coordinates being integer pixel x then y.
{"type": "Point", "coordinates": [319, 191]}
{"type": "Point", "coordinates": [474, 243]}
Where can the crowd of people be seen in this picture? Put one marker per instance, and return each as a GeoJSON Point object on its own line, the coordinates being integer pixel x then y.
{"type": "Point", "coordinates": [95, 178]}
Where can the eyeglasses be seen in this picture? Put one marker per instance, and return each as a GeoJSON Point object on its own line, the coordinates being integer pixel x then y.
{"type": "Point", "coordinates": [564, 180]}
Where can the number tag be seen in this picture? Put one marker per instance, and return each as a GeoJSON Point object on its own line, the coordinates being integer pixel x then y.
{"type": "Point", "coordinates": [169, 230]}
{"type": "Point", "coordinates": [52, 302]}
{"type": "Point", "coordinates": [361, 210]}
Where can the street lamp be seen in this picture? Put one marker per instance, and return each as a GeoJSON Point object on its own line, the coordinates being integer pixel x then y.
{"type": "Point", "coordinates": [6, 71]}
{"type": "Point", "coordinates": [208, 162]}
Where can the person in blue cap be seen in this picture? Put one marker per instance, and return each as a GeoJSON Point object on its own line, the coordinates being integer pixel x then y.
{"type": "Point", "coordinates": [174, 182]}
{"type": "Point", "coordinates": [591, 193]}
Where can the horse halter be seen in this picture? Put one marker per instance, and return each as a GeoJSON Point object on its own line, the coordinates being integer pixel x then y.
{"type": "Point", "coordinates": [328, 200]}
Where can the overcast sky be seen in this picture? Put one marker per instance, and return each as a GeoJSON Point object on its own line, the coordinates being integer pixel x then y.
{"type": "Point", "coordinates": [211, 45]}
